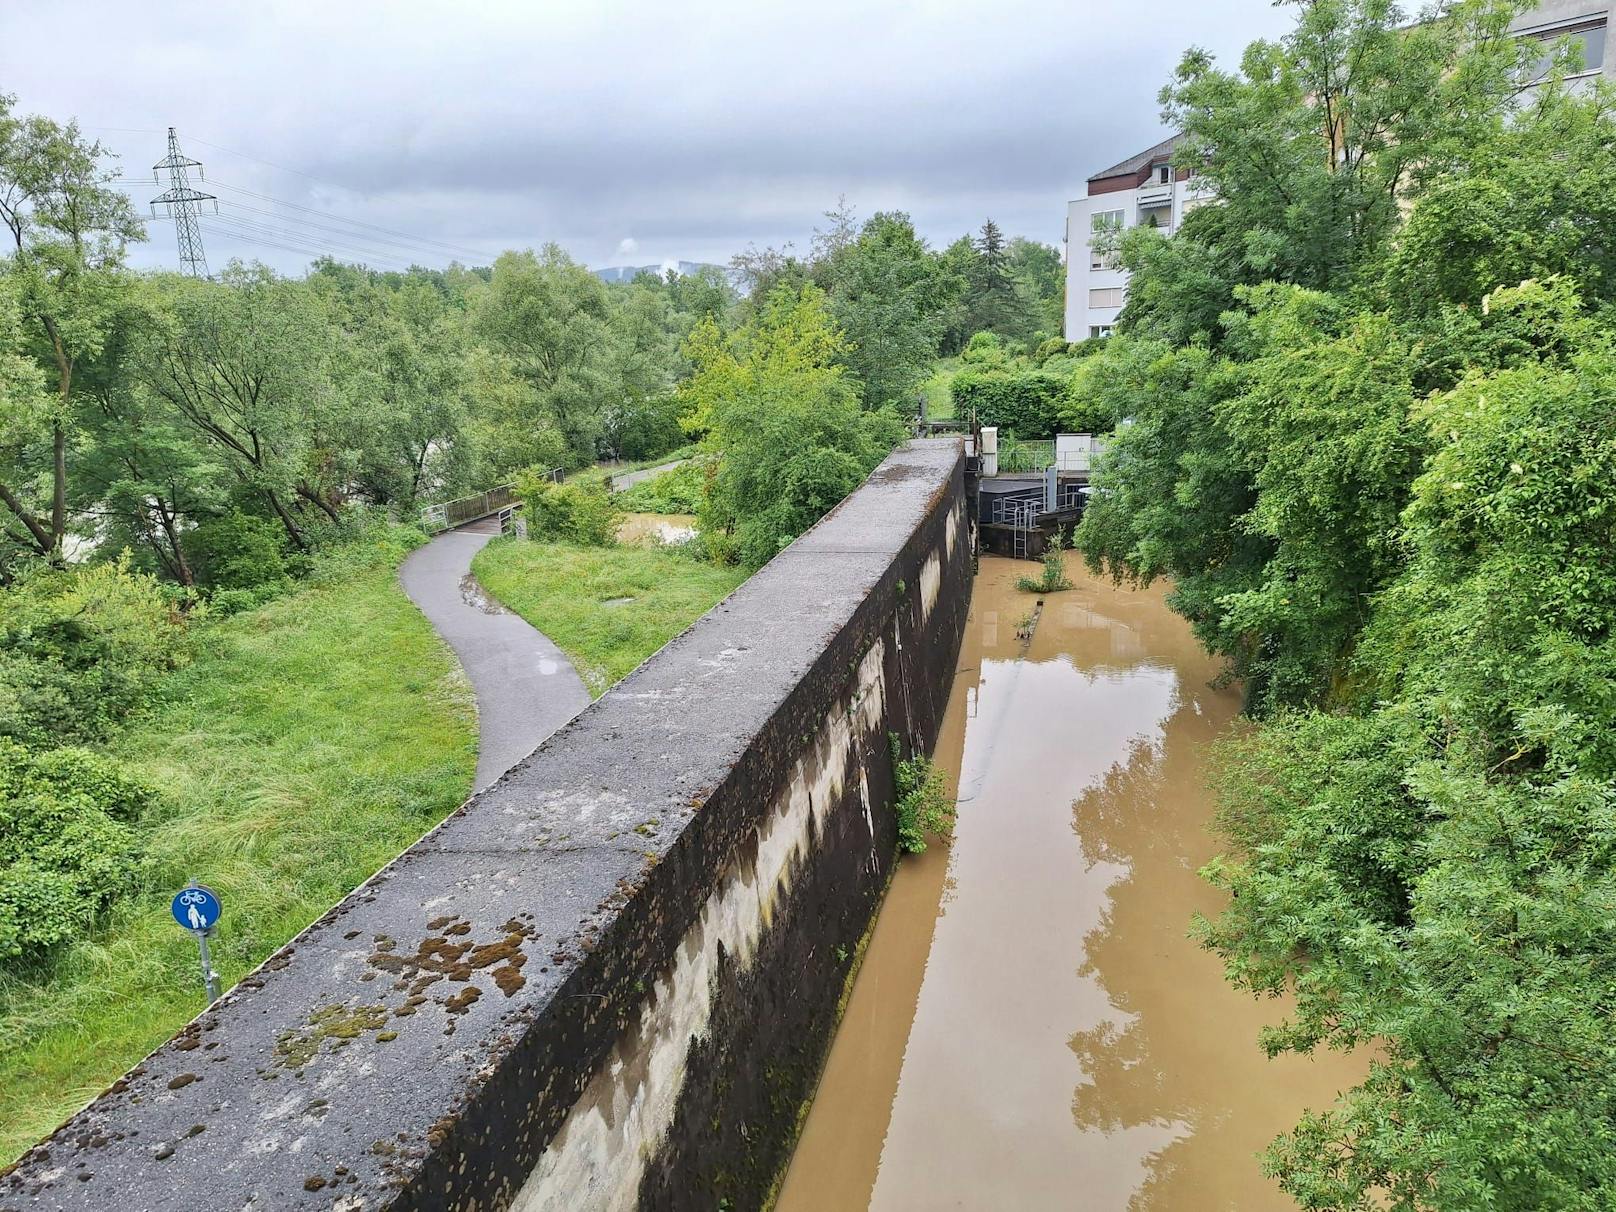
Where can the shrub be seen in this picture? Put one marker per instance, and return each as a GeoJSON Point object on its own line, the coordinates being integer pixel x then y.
{"type": "Point", "coordinates": [678, 491]}
{"type": "Point", "coordinates": [922, 805]}
{"type": "Point", "coordinates": [571, 513]}
{"type": "Point", "coordinates": [80, 649]}
{"type": "Point", "coordinates": [66, 845]}
{"type": "Point", "coordinates": [1029, 402]}
{"type": "Point", "coordinates": [236, 551]}
{"type": "Point", "coordinates": [1053, 578]}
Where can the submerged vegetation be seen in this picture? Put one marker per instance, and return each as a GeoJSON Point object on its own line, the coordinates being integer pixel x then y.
{"type": "Point", "coordinates": [1370, 442]}
{"type": "Point", "coordinates": [1053, 578]}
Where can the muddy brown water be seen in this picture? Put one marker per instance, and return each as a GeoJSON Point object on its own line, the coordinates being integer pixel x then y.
{"type": "Point", "coordinates": [645, 528]}
{"type": "Point", "coordinates": [1032, 1028]}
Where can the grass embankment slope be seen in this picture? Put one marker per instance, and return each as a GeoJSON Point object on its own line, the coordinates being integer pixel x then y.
{"type": "Point", "coordinates": [562, 589]}
{"type": "Point", "coordinates": [938, 390]}
{"type": "Point", "coordinates": [305, 745]}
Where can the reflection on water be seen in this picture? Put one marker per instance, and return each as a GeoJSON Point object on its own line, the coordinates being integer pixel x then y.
{"type": "Point", "coordinates": [1032, 1028]}
{"type": "Point", "coordinates": [656, 527]}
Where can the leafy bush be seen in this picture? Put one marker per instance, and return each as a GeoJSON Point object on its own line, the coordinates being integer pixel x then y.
{"type": "Point", "coordinates": [785, 418]}
{"type": "Point", "coordinates": [66, 846]}
{"type": "Point", "coordinates": [1028, 402]}
{"type": "Point", "coordinates": [921, 802]}
{"type": "Point", "coordinates": [571, 513]}
{"type": "Point", "coordinates": [1053, 578]}
{"type": "Point", "coordinates": [678, 491]}
{"type": "Point", "coordinates": [80, 649]}
{"type": "Point", "coordinates": [237, 551]}
{"type": "Point", "coordinates": [236, 601]}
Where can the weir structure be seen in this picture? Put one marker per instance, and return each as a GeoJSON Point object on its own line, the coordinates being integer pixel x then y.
{"type": "Point", "coordinates": [609, 980]}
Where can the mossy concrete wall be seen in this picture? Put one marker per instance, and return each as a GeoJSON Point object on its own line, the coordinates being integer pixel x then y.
{"type": "Point", "coordinates": [609, 980]}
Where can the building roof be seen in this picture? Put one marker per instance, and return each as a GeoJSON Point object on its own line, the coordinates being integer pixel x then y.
{"type": "Point", "coordinates": [1142, 160]}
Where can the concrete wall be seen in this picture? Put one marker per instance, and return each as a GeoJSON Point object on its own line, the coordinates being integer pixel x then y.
{"type": "Point", "coordinates": [608, 981]}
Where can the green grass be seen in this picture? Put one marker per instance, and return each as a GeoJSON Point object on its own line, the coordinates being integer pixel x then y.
{"type": "Point", "coordinates": [306, 744]}
{"type": "Point", "coordinates": [560, 588]}
{"type": "Point", "coordinates": [939, 399]}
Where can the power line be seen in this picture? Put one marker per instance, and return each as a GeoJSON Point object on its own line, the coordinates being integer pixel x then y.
{"type": "Point", "coordinates": [345, 233]}
{"type": "Point", "coordinates": [324, 244]}
{"type": "Point", "coordinates": [325, 214]}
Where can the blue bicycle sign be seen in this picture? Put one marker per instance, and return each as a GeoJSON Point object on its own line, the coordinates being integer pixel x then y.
{"type": "Point", "coordinates": [196, 908]}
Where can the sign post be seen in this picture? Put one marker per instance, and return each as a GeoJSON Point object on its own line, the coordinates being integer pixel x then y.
{"type": "Point", "coordinates": [196, 907]}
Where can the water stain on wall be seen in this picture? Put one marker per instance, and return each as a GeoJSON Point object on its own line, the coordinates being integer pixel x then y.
{"type": "Point", "coordinates": [1032, 1028]}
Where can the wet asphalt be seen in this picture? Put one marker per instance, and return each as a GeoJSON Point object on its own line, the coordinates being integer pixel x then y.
{"type": "Point", "coordinates": [525, 687]}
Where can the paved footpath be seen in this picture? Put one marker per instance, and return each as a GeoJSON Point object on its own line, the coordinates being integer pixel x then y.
{"type": "Point", "coordinates": [628, 479]}
{"type": "Point", "coordinates": [525, 687]}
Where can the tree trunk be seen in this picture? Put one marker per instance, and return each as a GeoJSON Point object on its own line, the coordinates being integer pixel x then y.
{"type": "Point", "coordinates": [308, 494]}
{"type": "Point", "coordinates": [292, 531]}
{"type": "Point", "coordinates": [36, 527]}
{"type": "Point", "coordinates": [182, 568]}
{"type": "Point", "coordinates": [58, 488]}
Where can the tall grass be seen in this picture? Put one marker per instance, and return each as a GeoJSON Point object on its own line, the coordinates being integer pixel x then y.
{"type": "Point", "coordinates": [563, 590]}
{"type": "Point", "coordinates": [307, 743]}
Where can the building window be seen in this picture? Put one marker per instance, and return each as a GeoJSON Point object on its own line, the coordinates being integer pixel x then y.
{"type": "Point", "coordinates": [1164, 174]}
{"type": "Point", "coordinates": [1105, 226]}
{"type": "Point", "coordinates": [1097, 331]}
{"type": "Point", "coordinates": [1587, 39]}
{"type": "Point", "coordinates": [1105, 296]}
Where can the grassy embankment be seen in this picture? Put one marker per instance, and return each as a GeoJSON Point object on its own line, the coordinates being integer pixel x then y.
{"type": "Point", "coordinates": [939, 399]}
{"type": "Point", "coordinates": [305, 745]}
{"type": "Point", "coordinates": [562, 590]}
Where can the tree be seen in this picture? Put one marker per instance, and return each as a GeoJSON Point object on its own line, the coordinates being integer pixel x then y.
{"type": "Point", "coordinates": [244, 363]}
{"type": "Point", "coordinates": [1432, 873]}
{"type": "Point", "coordinates": [68, 231]}
{"type": "Point", "coordinates": [889, 300]}
{"type": "Point", "coordinates": [550, 319]}
{"type": "Point", "coordinates": [1322, 136]}
{"type": "Point", "coordinates": [779, 409]}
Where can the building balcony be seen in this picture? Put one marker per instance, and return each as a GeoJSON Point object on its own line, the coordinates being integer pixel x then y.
{"type": "Point", "coordinates": [1156, 194]}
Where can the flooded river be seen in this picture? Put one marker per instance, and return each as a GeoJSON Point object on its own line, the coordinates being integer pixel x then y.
{"type": "Point", "coordinates": [1031, 1028]}
{"type": "Point", "coordinates": [656, 527]}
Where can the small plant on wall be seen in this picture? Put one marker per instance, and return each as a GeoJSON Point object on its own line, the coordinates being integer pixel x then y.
{"type": "Point", "coordinates": [922, 805]}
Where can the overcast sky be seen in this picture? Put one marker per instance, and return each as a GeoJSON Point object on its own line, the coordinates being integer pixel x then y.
{"type": "Point", "coordinates": [629, 131]}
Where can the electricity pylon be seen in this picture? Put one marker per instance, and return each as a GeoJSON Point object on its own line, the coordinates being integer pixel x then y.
{"type": "Point", "coordinates": [184, 205]}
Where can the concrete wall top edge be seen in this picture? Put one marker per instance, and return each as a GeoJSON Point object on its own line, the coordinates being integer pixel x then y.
{"type": "Point", "coordinates": [357, 1039]}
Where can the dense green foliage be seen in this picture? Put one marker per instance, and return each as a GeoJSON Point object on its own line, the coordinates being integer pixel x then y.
{"type": "Point", "coordinates": [66, 845]}
{"type": "Point", "coordinates": [781, 410]}
{"type": "Point", "coordinates": [80, 651]}
{"type": "Point", "coordinates": [571, 513]}
{"type": "Point", "coordinates": [1368, 394]}
{"type": "Point", "coordinates": [680, 490]}
{"type": "Point", "coordinates": [562, 589]}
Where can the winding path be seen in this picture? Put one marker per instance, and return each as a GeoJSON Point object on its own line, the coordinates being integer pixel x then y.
{"type": "Point", "coordinates": [628, 479]}
{"type": "Point", "coordinates": [525, 687]}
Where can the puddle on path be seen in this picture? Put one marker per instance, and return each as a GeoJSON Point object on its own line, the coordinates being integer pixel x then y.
{"type": "Point", "coordinates": [1032, 1029]}
{"type": "Point", "coordinates": [649, 527]}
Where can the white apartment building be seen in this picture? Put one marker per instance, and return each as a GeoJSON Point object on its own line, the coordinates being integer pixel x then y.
{"type": "Point", "coordinates": [1146, 189]}
{"type": "Point", "coordinates": [1143, 190]}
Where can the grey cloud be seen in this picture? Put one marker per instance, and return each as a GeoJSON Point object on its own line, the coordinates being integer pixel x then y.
{"type": "Point", "coordinates": [693, 128]}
